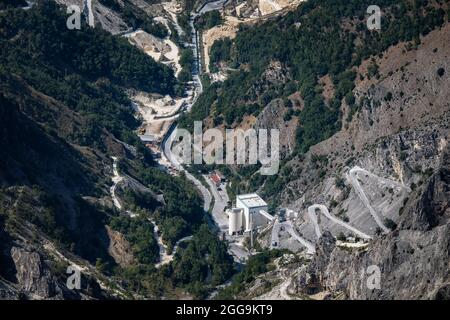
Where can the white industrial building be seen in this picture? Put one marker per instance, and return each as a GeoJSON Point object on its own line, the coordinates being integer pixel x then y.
{"type": "Point", "coordinates": [249, 214]}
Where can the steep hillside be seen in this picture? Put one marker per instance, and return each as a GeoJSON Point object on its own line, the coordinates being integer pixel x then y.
{"type": "Point", "coordinates": [413, 258]}
{"type": "Point", "coordinates": [318, 50]}
{"type": "Point", "coordinates": [378, 174]}
{"type": "Point", "coordinates": [64, 201]}
{"type": "Point", "coordinates": [121, 16]}
{"type": "Point", "coordinates": [400, 138]}
{"type": "Point", "coordinates": [364, 141]}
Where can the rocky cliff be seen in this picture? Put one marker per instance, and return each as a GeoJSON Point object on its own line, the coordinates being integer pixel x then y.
{"type": "Point", "coordinates": [403, 138]}
{"type": "Point", "coordinates": [397, 134]}
{"type": "Point", "coordinates": [413, 259]}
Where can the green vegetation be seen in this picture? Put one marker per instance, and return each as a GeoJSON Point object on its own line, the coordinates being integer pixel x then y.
{"type": "Point", "coordinates": [138, 18]}
{"type": "Point", "coordinates": [180, 215]}
{"type": "Point", "coordinates": [373, 70]}
{"type": "Point", "coordinates": [322, 45]}
{"type": "Point", "coordinates": [199, 266]}
{"type": "Point", "coordinates": [84, 69]}
{"type": "Point", "coordinates": [341, 237]}
{"type": "Point", "coordinates": [390, 224]}
{"type": "Point", "coordinates": [220, 51]}
{"type": "Point", "coordinates": [139, 233]}
{"type": "Point", "coordinates": [388, 96]}
{"type": "Point", "coordinates": [186, 61]}
{"type": "Point", "coordinates": [205, 260]}
{"type": "Point", "coordinates": [63, 105]}
{"type": "Point", "coordinates": [339, 182]}
{"type": "Point", "coordinates": [7, 4]}
{"type": "Point", "coordinates": [256, 265]}
{"type": "Point", "coordinates": [208, 20]}
{"type": "Point", "coordinates": [183, 212]}
{"type": "Point", "coordinates": [183, 21]}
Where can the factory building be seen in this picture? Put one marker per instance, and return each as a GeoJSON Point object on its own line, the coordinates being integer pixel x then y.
{"type": "Point", "coordinates": [250, 213]}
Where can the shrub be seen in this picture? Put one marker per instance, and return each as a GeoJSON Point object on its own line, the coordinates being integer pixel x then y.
{"type": "Point", "coordinates": [390, 224]}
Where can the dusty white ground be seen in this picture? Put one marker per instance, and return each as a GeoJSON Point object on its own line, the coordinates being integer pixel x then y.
{"type": "Point", "coordinates": [271, 6]}
{"type": "Point", "coordinates": [229, 27]}
{"type": "Point", "coordinates": [157, 112]}
{"type": "Point", "coordinates": [376, 198]}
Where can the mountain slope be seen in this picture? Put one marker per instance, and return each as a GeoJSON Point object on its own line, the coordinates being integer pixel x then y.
{"type": "Point", "coordinates": [390, 93]}
{"type": "Point", "coordinates": [64, 114]}
{"type": "Point", "coordinates": [413, 259]}
{"type": "Point", "coordinates": [306, 62]}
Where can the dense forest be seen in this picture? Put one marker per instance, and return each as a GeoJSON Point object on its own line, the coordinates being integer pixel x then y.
{"type": "Point", "coordinates": [220, 51]}
{"type": "Point", "coordinates": [199, 266]}
{"type": "Point", "coordinates": [85, 69]}
{"type": "Point", "coordinates": [320, 37]}
{"type": "Point", "coordinates": [182, 213]}
{"type": "Point", "coordinates": [6, 4]}
{"type": "Point", "coordinates": [64, 112]}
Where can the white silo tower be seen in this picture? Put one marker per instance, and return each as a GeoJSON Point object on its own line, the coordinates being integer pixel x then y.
{"type": "Point", "coordinates": [235, 217]}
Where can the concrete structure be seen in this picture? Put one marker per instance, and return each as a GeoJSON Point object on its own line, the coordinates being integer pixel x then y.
{"type": "Point", "coordinates": [235, 221]}
{"type": "Point", "coordinates": [252, 204]}
{"type": "Point", "coordinates": [249, 214]}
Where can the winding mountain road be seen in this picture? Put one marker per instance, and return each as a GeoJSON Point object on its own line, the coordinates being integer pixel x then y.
{"type": "Point", "coordinates": [326, 213]}
{"type": "Point", "coordinates": [313, 217]}
{"type": "Point", "coordinates": [353, 179]}
{"type": "Point", "coordinates": [90, 12]}
{"type": "Point", "coordinates": [289, 228]}
{"type": "Point", "coordinates": [169, 157]}
{"type": "Point", "coordinates": [164, 258]}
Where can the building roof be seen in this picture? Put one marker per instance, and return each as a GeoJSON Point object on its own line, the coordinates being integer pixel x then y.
{"type": "Point", "coordinates": [251, 200]}
{"type": "Point", "coordinates": [216, 178]}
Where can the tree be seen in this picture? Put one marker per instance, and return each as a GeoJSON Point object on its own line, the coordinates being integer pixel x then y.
{"type": "Point", "coordinates": [390, 224]}
{"type": "Point", "coordinates": [341, 236]}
